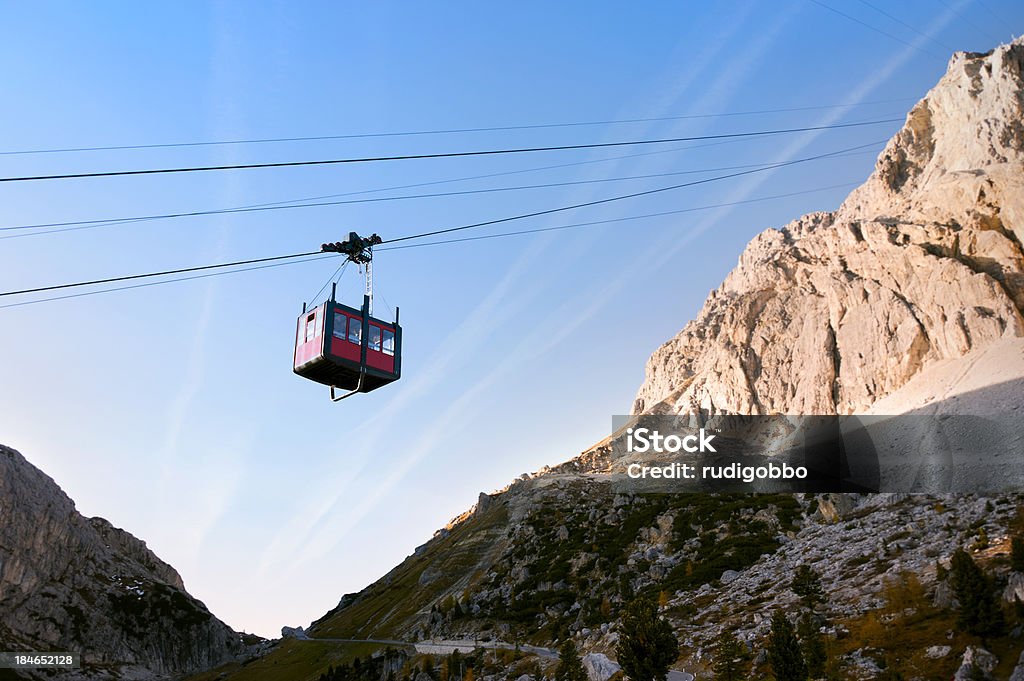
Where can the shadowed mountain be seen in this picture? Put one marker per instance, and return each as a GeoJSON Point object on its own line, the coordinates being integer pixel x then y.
{"type": "Point", "coordinates": [71, 583]}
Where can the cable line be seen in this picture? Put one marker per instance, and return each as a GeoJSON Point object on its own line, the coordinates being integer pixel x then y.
{"type": "Point", "coordinates": [414, 185]}
{"type": "Point", "coordinates": [448, 230]}
{"type": "Point", "coordinates": [502, 128]}
{"type": "Point", "coordinates": [621, 197]}
{"type": "Point", "coordinates": [877, 30]}
{"type": "Point", "coordinates": [559, 228]}
{"type": "Point", "coordinates": [336, 275]}
{"type": "Point", "coordinates": [157, 274]}
{"type": "Point", "coordinates": [431, 243]}
{"type": "Point", "coordinates": [955, 10]}
{"type": "Point", "coordinates": [88, 224]}
{"type": "Point", "coordinates": [451, 154]}
{"type": "Point", "coordinates": [165, 281]}
{"type": "Point", "coordinates": [906, 25]}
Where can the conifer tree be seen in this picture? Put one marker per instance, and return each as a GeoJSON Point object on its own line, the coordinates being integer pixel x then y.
{"type": "Point", "coordinates": [455, 664]}
{"type": "Point", "coordinates": [807, 585]}
{"type": "Point", "coordinates": [570, 666]}
{"type": "Point", "coordinates": [812, 646]}
{"type": "Point", "coordinates": [980, 613]}
{"type": "Point", "coordinates": [647, 645]}
{"type": "Point", "coordinates": [1017, 554]}
{"type": "Point", "coordinates": [730, 659]}
{"type": "Point", "coordinates": [784, 650]}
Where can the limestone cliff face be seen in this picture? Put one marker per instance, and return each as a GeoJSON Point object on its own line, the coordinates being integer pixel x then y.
{"type": "Point", "coordinates": [922, 263]}
{"type": "Point", "coordinates": [80, 584]}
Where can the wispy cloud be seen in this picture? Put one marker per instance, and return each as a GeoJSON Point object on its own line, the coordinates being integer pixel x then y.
{"type": "Point", "coordinates": [323, 523]}
{"type": "Point", "coordinates": [320, 526]}
{"type": "Point", "coordinates": [669, 247]}
{"type": "Point", "coordinates": [186, 465]}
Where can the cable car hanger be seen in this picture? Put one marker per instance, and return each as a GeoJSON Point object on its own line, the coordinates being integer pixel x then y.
{"type": "Point", "coordinates": [359, 250]}
{"type": "Point", "coordinates": [344, 347]}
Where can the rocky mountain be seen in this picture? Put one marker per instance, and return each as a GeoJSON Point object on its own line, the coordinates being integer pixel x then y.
{"type": "Point", "coordinates": [71, 583]}
{"type": "Point", "coordinates": [909, 297]}
{"type": "Point", "coordinates": [921, 264]}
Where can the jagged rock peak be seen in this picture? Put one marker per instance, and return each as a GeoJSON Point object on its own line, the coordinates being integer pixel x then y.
{"type": "Point", "coordinates": [920, 264]}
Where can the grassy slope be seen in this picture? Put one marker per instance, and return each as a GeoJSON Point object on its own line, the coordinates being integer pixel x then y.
{"type": "Point", "coordinates": [292, 661]}
{"type": "Point", "coordinates": [384, 607]}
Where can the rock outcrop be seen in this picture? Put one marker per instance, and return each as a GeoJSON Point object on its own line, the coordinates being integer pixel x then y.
{"type": "Point", "coordinates": [599, 667]}
{"type": "Point", "coordinates": [923, 263]}
{"type": "Point", "coordinates": [976, 663]}
{"type": "Point", "coordinates": [1018, 671]}
{"type": "Point", "coordinates": [68, 582]}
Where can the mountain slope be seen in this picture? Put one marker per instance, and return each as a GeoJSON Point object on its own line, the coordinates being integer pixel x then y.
{"type": "Point", "coordinates": [913, 283]}
{"type": "Point", "coordinates": [70, 583]}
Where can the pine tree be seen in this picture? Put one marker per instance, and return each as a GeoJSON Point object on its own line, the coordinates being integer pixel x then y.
{"type": "Point", "coordinates": [647, 645]}
{"type": "Point", "coordinates": [784, 650]}
{"type": "Point", "coordinates": [1017, 554]}
{"type": "Point", "coordinates": [730, 659]}
{"type": "Point", "coordinates": [812, 646]}
{"type": "Point", "coordinates": [455, 664]}
{"type": "Point", "coordinates": [980, 613]}
{"type": "Point", "coordinates": [570, 666]}
{"type": "Point", "coordinates": [807, 585]}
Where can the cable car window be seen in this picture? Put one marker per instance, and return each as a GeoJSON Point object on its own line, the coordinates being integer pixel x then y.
{"type": "Point", "coordinates": [389, 342]}
{"type": "Point", "coordinates": [339, 324]}
{"type": "Point", "coordinates": [310, 327]}
{"type": "Point", "coordinates": [374, 337]}
{"type": "Point", "coordinates": [355, 329]}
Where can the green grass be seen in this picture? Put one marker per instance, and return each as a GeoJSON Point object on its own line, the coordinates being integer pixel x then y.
{"type": "Point", "coordinates": [387, 605]}
{"type": "Point", "coordinates": [903, 642]}
{"type": "Point", "coordinates": [292, 661]}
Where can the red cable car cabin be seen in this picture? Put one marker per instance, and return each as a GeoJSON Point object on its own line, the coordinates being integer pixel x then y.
{"type": "Point", "coordinates": [346, 348]}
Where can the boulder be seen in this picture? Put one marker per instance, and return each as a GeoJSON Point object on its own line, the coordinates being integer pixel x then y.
{"type": "Point", "coordinates": [1014, 588]}
{"type": "Point", "coordinates": [975, 659]}
{"type": "Point", "coordinates": [599, 667]}
{"type": "Point", "coordinates": [1018, 671]}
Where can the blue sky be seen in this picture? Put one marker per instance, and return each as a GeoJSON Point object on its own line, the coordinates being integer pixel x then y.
{"type": "Point", "coordinates": [172, 410]}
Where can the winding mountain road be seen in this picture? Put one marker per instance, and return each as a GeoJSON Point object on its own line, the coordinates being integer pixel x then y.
{"type": "Point", "coordinates": [446, 647]}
